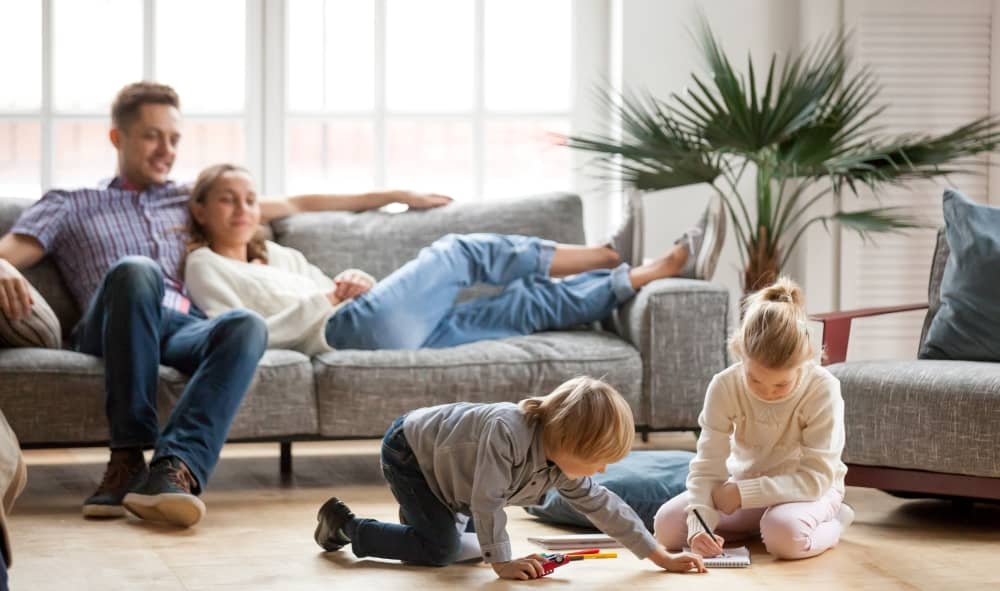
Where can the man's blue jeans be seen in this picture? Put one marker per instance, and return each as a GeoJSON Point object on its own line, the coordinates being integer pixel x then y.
{"type": "Point", "coordinates": [128, 326]}
{"type": "Point", "coordinates": [432, 534]}
{"type": "Point", "coordinates": [415, 306]}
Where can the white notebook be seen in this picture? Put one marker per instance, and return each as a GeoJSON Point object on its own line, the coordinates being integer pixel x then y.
{"type": "Point", "coordinates": [575, 541]}
{"type": "Point", "coordinates": [733, 558]}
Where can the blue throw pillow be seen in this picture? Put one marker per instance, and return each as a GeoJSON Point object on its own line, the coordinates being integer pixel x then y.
{"type": "Point", "coordinates": [967, 325]}
{"type": "Point", "coordinates": [644, 480]}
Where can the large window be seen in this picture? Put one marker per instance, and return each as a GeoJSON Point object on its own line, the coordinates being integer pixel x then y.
{"type": "Point", "coordinates": [457, 96]}
{"type": "Point", "coordinates": [466, 97]}
{"type": "Point", "coordinates": [73, 55]}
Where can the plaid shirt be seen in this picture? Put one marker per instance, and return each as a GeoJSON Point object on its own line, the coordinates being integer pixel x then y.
{"type": "Point", "coordinates": [87, 230]}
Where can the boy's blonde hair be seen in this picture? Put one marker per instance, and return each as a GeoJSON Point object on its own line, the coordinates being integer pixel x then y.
{"type": "Point", "coordinates": [774, 332]}
{"type": "Point", "coordinates": [584, 417]}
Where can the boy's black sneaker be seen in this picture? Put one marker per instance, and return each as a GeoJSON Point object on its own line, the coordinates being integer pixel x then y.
{"type": "Point", "coordinates": [167, 495]}
{"type": "Point", "coordinates": [126, 469]}
{"type": "Point", "coordinates": [333, 516]}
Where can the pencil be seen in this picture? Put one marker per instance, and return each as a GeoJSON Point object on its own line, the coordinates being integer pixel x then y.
{"type": "Point", "coordinates": [589, 556]}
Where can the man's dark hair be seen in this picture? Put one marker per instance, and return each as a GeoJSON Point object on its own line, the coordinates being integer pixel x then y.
{"type": "Point", "coordinates": [131, 98]}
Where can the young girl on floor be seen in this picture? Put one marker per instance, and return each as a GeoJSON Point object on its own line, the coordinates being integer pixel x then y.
{"type": "Point", "coordinates": [772, 431]}
{"type": "Point", "coordinates": [448, 463]}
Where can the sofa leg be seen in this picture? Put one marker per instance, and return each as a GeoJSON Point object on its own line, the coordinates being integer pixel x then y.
{"type": "Point", "coordinates": [286, 460]}
{"type": "Point", "coordinates": [644, 434]}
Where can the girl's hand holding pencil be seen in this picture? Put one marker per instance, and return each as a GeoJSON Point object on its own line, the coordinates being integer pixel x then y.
{"type": "Point", "coordinates": [703, 544]}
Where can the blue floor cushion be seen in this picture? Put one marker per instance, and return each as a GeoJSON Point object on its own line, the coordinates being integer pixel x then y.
{"type": "Point", "coordinates": [644, 479]}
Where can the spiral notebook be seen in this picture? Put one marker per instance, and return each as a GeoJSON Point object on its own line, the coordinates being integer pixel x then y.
{"type": "Point", "coordinates": [733, 558]}
{"type": "Point", "coordinates": [575, 541]}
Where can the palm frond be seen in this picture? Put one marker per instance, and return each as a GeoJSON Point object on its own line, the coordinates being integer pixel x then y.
{"type": "Point", "coordinates": [865, 222]}
{"type": "Point", "coordinates": [655, 151]}
{"type": "Point", "coordinates": [732, 116]}
{"type": "Point", "coordinates": [912, 157]}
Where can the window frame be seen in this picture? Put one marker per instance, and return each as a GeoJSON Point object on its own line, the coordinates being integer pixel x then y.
{"type": "Point", "coordinates": [265, 117]}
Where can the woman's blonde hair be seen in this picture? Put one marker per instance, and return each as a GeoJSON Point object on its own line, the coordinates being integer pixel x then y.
{"type": "Point", "coordinates": [774, 332]}
{"type": "Point", "coordinates": [197, 237]}
{"type": "Point", "coordinates": [585, 418]}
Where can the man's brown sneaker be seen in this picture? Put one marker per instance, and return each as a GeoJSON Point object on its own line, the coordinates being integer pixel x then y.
{"type": "Point", "coordinates": [166, 496]}
{"type": "Point", "coordinates": [126, 469]}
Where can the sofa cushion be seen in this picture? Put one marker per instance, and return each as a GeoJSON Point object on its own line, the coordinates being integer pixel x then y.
{"type": "Point", "coordinates": [644, 480]}
{"type": "Point", "coordinates": [40, 328]}
{"type": "Point", "coordinates": [54, 396]}
{"type": "Point", "coordinates": [940, 416]}
{"type": "Point", "coordinates": [938, 262]}
{"type": "Point", "coordinates": [361, 392]}
{"type": "Point", "coordinates": [70, 386]}
{"type": "Point", "coordinates": [281, 400]}
{"type": "Point", "coordinates": [380, 242]}
{"type": "Point", "coordinates": [967, 324]}
{"type": "Point", "coordinates": [44, 276]}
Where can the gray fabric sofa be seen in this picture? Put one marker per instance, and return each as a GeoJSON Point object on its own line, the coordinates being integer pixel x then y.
{"type": "Point", "coordinates": [918, 426]}
{"type": "Point", "coordinates": [660, 351]}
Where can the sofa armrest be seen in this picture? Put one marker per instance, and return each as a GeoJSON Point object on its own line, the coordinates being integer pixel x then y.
{"type": "Point", "coordinates": [680, 328]}
{"type": "Point", "coordinates": [837, 328]}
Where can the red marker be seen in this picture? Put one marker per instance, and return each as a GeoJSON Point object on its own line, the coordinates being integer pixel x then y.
{"type": "Point", "coordinates": [551, 562]}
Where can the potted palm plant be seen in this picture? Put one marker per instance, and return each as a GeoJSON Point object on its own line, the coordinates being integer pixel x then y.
{"type": "Point", "coordinates": [807, 134]}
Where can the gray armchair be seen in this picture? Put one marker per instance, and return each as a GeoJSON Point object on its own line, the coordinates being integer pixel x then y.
{"type": "Point", "coordinates": [922, 427]}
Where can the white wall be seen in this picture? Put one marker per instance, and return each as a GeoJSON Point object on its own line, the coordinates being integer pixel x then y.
{"type": "Point", "coordinates": [655, 52]}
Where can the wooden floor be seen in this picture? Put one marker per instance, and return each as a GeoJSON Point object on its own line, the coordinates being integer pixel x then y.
{"type": "Point", "coordinates": [258, 535]}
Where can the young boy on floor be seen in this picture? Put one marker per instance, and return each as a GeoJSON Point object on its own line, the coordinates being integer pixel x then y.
{"type": "Point", "coordinates": [448, 463]}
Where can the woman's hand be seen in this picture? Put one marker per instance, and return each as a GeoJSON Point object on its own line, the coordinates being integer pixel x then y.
{"type": "Point", "coordinates": [681, 562]}
{"type": "Point", "coordinates": [522, 569]}
{"type": "Point", "coordinates": [703, 544]}
{"type": "Point", "coordinates": [422, 200]}
{"type": "Point", "coordinates": [350, 284]}
{"type": "Point", "coordinates": [727, 498]}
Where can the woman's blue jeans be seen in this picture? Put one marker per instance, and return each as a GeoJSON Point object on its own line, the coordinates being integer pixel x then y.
{"type": "Point", "coordinates": [415, 306]}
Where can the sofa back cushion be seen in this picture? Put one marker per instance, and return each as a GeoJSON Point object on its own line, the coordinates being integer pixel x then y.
{"type": "Point", "coordinates": [44, 276]}
{"type": "Point", "coordinates": [380, 242]}
{"type": "Point", "coordinates": [941, 253]}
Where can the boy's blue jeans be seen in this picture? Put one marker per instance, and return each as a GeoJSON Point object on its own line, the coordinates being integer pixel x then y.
{"type": "Point", "coordinates": [432, 534]}
{"type": "Point", "coordinates": [415, 306]}
{"type": "Point", "coordinates": [128, 326]}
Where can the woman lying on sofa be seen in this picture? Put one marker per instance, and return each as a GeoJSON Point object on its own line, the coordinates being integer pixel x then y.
{"type": "Point", "coordinates": [228, 267]}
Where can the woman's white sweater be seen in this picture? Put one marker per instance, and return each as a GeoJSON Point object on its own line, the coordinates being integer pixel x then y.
{"type": "Point", "coordinates": [776, 451]}
{"type": "Point", "coordinates": [288, 292]}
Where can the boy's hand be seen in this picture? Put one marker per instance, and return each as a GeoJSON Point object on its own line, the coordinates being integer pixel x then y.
{"type": "Point", "coordinates": [727, 498]}
{"type": "Point", "coordinates": [682, 562]}
{"type": "Point", "coordinates": [703, 544]}
{"type": "Point", "coordinates": [522, 569]}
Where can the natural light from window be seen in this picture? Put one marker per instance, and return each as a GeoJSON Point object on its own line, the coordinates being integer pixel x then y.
{"type": "Point", "coordinates": [465, 97]}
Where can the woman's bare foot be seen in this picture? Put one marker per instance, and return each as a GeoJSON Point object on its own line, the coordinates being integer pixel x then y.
{"type": "Point", "coordinates": [693, 256]}
{"type": "Point", "coordinates": [669, 265]}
